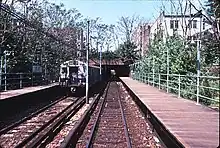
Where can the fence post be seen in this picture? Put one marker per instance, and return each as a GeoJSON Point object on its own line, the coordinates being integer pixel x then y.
{"type": "Point", "coordinates": [197, 90]}
{"type": "Point", "coordinates": [153, 78]}
{"type": "Point", "coordinates": [0, 80]}
{"type": "Point", "coordinates": [1, 58]}
{"type": "Point", "coordinates": [167, 83]}
{"type": "Point", "coordinates": [32, 81]}
{"type": "Point", "coordinates": [139, 76]}
{"type": "Point", "coordinates": [20, 80]}
{"type": "Point", "coordinates": [179, 86]}
{"type": "Point", "coordinates": [159, 81]}
{"type": "Point", "coordinates": [145, 78]}
{"type": "Point", "coordinates": [153, 71]}
{"type": "Point", "coordinates": [5, 82]}
{"type": "Point", "coordinates": [148, 78]}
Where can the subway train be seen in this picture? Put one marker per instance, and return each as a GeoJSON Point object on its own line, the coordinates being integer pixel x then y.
{"type": "Point", "coordinates": [73, 75]}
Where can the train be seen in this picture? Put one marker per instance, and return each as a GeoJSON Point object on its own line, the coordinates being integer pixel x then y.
{"type": "Point", "coordinates": [73, 75]}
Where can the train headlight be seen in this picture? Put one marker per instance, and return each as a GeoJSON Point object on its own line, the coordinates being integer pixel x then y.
{"type": "Point", "coordinates": [73, 89]}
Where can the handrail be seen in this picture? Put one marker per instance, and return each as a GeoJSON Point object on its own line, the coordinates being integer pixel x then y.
{"type": "Point", "coordinates": [20, 80]}
{"type": "Point", "coordinates": [184, 85]}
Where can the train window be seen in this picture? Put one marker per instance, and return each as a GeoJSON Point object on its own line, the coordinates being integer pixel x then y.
{"type": "Point", "coordinates": [64, 70]}
{"type": "Point", "coordinates": [73, 69]}
{"type": "Point", "coordinates": [113, 72]}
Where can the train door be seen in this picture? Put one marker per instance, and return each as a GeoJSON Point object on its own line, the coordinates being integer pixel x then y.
{"type": "Point", "coordinates": [63, 75]}
{"type": "Point", "coordinates": [73, 75]}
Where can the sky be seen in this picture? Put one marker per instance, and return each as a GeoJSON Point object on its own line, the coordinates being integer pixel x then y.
{"type": "Point", "coordinates": [111, 10]}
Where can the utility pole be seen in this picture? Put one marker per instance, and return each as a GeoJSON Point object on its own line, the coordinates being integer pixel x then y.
{"type": "Point", "coordinates": [87, 66]}
{"type": "Point", "coordinates": [198, 59]}
{"type": "Point", "coordinates": [5, 70]}
{"type": "Point", "coordinates": [168, 70]}
{"type": "Point", "coordinates": [190, 22]}
{"type": "Point", "coordinates": [1, 70]}
{"type": "Point", "coordinates": [100, 62]}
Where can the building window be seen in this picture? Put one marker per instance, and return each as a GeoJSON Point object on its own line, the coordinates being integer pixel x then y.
{"type": "Point", "coordinates": [171, 24]}
{"type": "Point", "coordinates": [194, 37]}
{"type": "Point", "coordinates": [176, 23]}
{"type": "Point", "coordinates": [79, 35]}
{"type": "Point", "coordinates": [190, 24]}
{"type": "Point", "coordinates": [189, 37]}
{"type": "Point", "coordinates": [194, 23]}
{"type": "Point", "coordinates": [203, 25]}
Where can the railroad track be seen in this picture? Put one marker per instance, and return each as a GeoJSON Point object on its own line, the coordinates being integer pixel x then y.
{"type": "Point", "coordinates": [108, 121]}
{"type": "Point", "coordinates": [108, 125]}
{"type": "Point", "coordinates": [9, 127]}
{"type": "Point", "coordinates": [101, 124]}
{"type": "Point", "coordinates": [112, 127]}
{"type": "Point", "coordinates": [38, 128]}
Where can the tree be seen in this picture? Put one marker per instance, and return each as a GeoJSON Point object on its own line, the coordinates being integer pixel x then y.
{"type": "Point", "coordinates": [126, 26]}
{"type": "Point", "coordinates": [213, 9]}
{"type": "Point", "coordinates": [127, 51]}
{"type": "Point", "coordinates": [211, 41]}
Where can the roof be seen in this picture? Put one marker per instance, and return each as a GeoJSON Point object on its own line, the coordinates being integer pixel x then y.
{"type": "Point", "coordinates": [106, 62]}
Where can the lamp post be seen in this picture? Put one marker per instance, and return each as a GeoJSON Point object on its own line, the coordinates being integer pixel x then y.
{"type": "Point", "coordinates": [87, 66]}
{"type": "Point", "coordinates": [6, 53]}
{"type": "Point", "coordinates": [1, 67]}
{"type": "Point", "coordinates": [198, 60]}
{"type": "Point", "coordinates": [168, 70]}
{"type": "Point", "coordinates": [198, 49]}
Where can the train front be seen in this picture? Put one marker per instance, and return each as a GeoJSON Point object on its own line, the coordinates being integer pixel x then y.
{"type": "Point", "coordinates": [77, 78]}
{"type": "Point", "coordinates": [72, 75]}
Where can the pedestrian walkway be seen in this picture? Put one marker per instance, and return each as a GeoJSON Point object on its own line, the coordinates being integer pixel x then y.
{"type": "Point", "coordinates": [17, 92]}
{"type": "Point", "coordinates": [194, 126]}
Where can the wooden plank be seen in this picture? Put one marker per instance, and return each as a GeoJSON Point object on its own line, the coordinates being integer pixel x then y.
{"type": "Point", "coordinates": [193, 125]}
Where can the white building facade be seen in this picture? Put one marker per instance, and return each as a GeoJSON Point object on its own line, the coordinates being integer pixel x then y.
{"type": "Point", "coordinates": [184, 25]}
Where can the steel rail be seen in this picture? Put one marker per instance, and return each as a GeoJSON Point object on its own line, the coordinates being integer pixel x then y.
{"type": "Point", "coordinates": [51, 131]}
{"type": "Point", "coordinates": [97, 119]}
{"type": "Point", "coordinates": [124, 121]}
{"type": "Point", "coordinates": [6, 129]}
{"type": "Point", "coordinates": [72, 137]}
{"type": "Point", "coordinates": [88, 145]}
{"type": "Point", "coordinates": [29, 138]}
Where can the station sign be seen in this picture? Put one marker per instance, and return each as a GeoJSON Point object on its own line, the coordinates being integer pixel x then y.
{"type": "Point", "coordinates": [36, 69]}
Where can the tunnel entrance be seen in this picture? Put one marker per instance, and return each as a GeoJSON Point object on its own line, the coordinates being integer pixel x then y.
{"type": "Point", "coordinates": [120, 70]}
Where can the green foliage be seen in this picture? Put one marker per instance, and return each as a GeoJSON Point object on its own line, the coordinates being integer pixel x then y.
{"type": "Point", "coordinates": [182, 60]}
{"type": "Point", "coordinates": [28, 46]}
{"type": "Point", "coordinates": [127, 51]}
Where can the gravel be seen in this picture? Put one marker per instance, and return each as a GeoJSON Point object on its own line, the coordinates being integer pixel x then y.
{"type": "Point", "coordinates": [111, 133]}
{"type": "Point", "coordinates": [22, 131]}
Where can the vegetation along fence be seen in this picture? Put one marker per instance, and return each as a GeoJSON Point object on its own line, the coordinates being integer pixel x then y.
{"type": "Point", "coordinates": [202, 89]}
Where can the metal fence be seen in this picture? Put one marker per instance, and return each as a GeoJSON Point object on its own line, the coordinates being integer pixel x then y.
{"type": "Point", "coordinates": [11, 81]}
{"type": "Point", "coordinates": [202, 89]}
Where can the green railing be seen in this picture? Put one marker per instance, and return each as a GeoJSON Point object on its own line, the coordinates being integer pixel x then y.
{"type": "Point", "coordinates": [11, 81]}
{"type": "Point", "coordinates": [202, 89]}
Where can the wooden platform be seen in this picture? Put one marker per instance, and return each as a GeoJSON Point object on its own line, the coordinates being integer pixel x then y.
{"type": "Point", "coordinates": [17, 92]}
{"type": "Point", "coordinates": [195, 126]}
